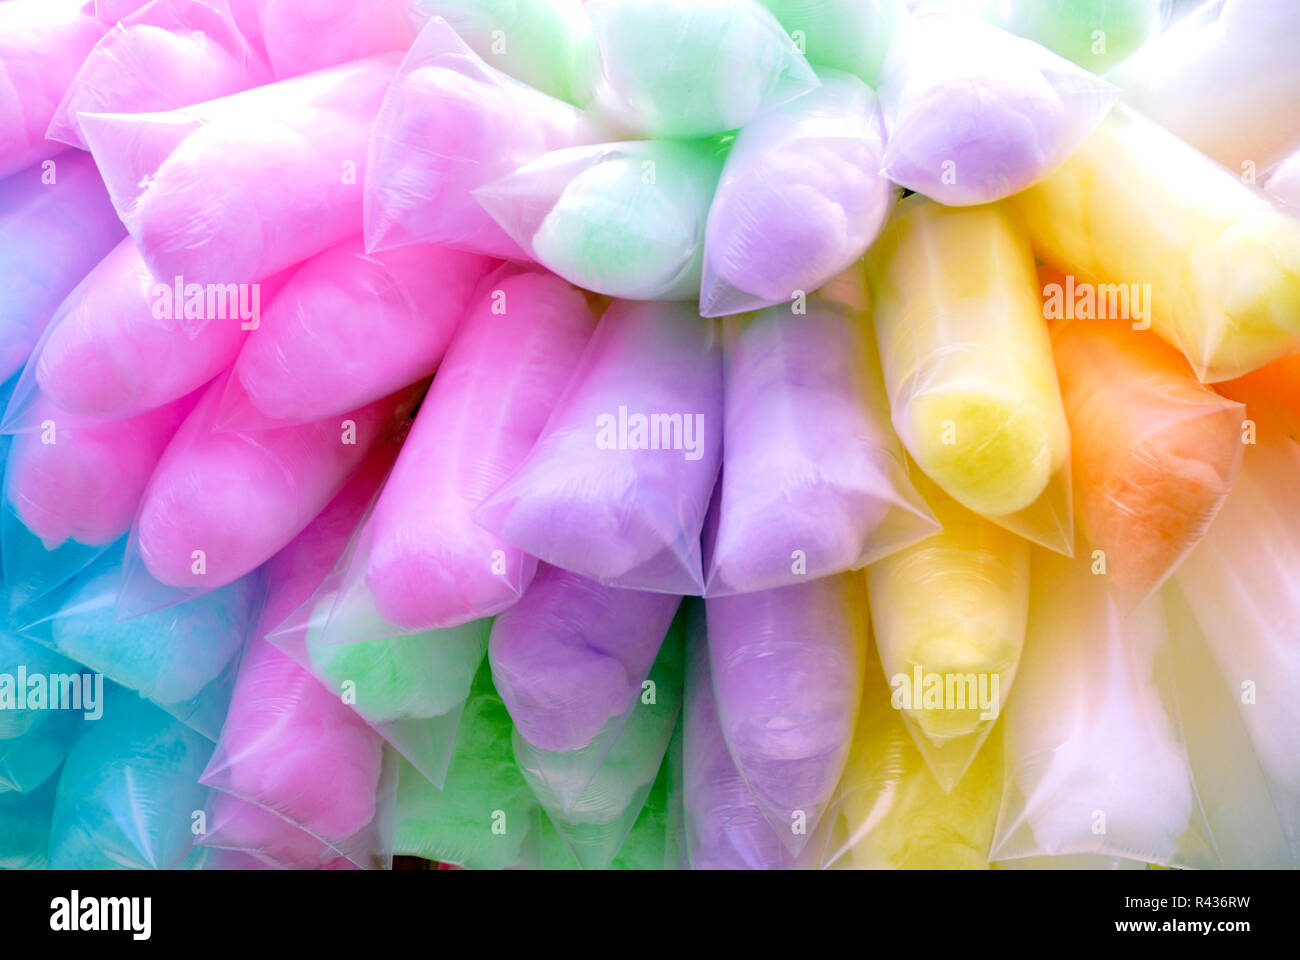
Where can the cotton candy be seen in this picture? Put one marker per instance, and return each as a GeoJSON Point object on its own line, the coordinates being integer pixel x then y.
{"type": "Point", "coordinates": [170, 53]}
{"type": "Point", "coordinates": [306, 35]}
{"type": "Point", "coordinates": [129, 791]}
{"type": "Point", "coordinates": [32, 757]}
{"type": "Point", "coordinates": [973, 114]}
{"type": "Point", "coordinates": [236, 189]}
{"type": "Point", "coordinates": [1154, 452]}
{"type": "Point", "coordinates": [968, 365]}
{"type": "Point", "coordinates": [1095, 34]}
{"type": "Point", "coordinates": [1271, 394]}
{"type": "Point", "coordinates": [25, 828]}
{"type": "Point", "coordinates": [449, 123]}
{"type": "Point", "coordinates": [42, 44]}
{"type": "Point", "coordinates": [237, 825]}
{"type": "Point", "coordinates": [951, 610]}
{"type": "Point", "coordinates": [349, 328]}
{"type": "Point", "coordinates": [850, 35]}
{"type": "Point", "coordinates": [787, 672]}
{"type": "Point", "coordinates": [694, 68]}
{"type": "Point", "coordinates": [56, 223]}
{"type": "Point", "coordinates": [799, 199]}
{"type": "Point", "coordinates": [614, 489]}
{"type": "Point", "coordinates": [1136, 207]}
{"type": "Point", "coordinates": [571, 656]}
{"type": "Point", "coordinates": [813, 480]}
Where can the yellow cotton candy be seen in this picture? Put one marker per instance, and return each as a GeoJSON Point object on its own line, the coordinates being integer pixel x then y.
{"type": "Point", "coordinates": [966, 355]}
{"type": "Point", "coordinates": [1217, 266]}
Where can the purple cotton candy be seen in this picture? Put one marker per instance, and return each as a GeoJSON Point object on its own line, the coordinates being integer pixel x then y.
{"type": "Point", "coordinates": [618, 486]}
{"type": "Point", "coordinates": [787, 671]}
{"type": "Point", "coordinates": [571, 655]}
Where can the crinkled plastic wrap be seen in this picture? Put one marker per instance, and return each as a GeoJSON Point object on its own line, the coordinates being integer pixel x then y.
{"type": "Point", "coordinates": [1241, 587]}
{"type": "Point", "coordinates": [1226, 79]}
{"type": "Point", "coordinates": [799, 200]}
{"type": "Point", "coordinates": [71, 491]}
{"type": "Point", "coordinates": [622, 219]}
{"type": "Point", "coordinates": [270, 841]}
{"type": "Point", "coordinates": [968, 365]}
{"type": "Point", "coordinates": [349, 328]}
{"type": "Point", "coordinates": [169, 53]}
{"type": "Point", "coordinates": [25, 828]}
{"type": "Point", "coordinates": [129, 796]}
{"type": "Point", "coordinates": [183, 659]}
{"type": "Point", "coordinates": [1095, 760]}
{"type": "Point", "coordinates": [42, 45]}
{"type": "Point", "coordinates": [236, 189]}
{"type": "Point", "coordinates": [1154, 452]}
{"type": "Point", "coordinates": [547, 44]}
{"type": "Point", "coordinates": [890, 813]}
{"type": "Point", "coordinates": [33, 739]}
{"type": "Point", "coordinates": [813, 480]}
{"type": "Point", "coordinates": [451, 122]}
{"type": "Point", "coordinates": [694, 68]}
{"type": "Point", "coordinates": [1214, 265]}
{"type": "Point", "coordinates": [973, 114]}
{"type": "Point", "coordinates": [619, 483]}
{"type": "Point", "coordinates": [421, 561]}
{"type": "Point", "coordinates": [787, 673]}
{"type": "Point", "coordinates": [56, 223]}
{"type": "Point", "coordinates": [949, 616]}
{"type": "Point", "coordinates": [849, 35]}
{"type": "Point", "coordinates": [485, 818]}
{"type": "Point", "coordinates": [596, 825]}
{"type": "Point", "coordinates": [305, 35]}
{"type": "Point", "coordinates": [1095, 34]}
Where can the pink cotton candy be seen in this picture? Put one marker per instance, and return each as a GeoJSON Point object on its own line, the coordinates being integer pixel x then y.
{"type": "Point", "coordinates": [236, 824]}
{"type": "Point", "coordinates": [306, 35]}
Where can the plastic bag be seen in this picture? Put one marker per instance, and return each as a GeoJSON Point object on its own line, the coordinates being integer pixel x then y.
{"type": "Point", "coordinates": [267, 839]}
{"type": "Point", "coordinates": [787, 673]}
{"type": "Point", "coordinates": [306, 35]}
{"type": "Point", "coordinates": [850, 35]}
{"type": "Point", "coordinates": [973, 114]}
{"type": "Point", "coordinates": [1154, 452]}
{"type": "Point", "coordinates": [449, 123]}
{"type": "Point", "coordinates": [618, 485]}
{"type": "Point", "coordinates": [1178, 80]}
{"type": "Point", "coordinates": [169, 53]}
{"type": "Point", "coordinates": [813, 480]}
{"type": "Point", "coordinates": [1283, 184]}
{"type": "Point", "coordinates": [42, 45]}
{"type": "Point", "coordinates": [310, 357]}
{"type": "Point", "coordinates": [56, 223]}
{"type": "Point", "coordinates": [34, 739]}
{"type": "Point", "coordinates": [694, 68]}
{"type": "Point", "coordinates": [1095, 761]}
{"type": "Point", "coordinates": [1271, 394]}
{"type": "Point", "coordinates": [236, 189]}
{"type": "Point", "coordinates": [949, 615]}
{"type": "Point", "coordinates": [596, 825]}
{"type": "Point", "coordinates": [1095, 34]}
{"type": "Point", "coordinates": [421, 561]}
{"type": "Point", "coordinates": [1139, 211]}
{"type": "Point", "coordinates": [129, 795]}
{"type": "Point", "coordinates": [25, 828]}
{"type": "Point", "coordinates": [799, 199]}
{"type": "Point", "coordinates": [547, 44]}
{"type": "Point", "coordinates": [968, 366]}
{"type": "Point", "coordinates": [622, 219]}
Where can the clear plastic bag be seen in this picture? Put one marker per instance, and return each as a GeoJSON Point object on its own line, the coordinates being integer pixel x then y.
{"type": "Point", "coordinates": [1094, 752]}
{"type": "Point", "coordinates": [310, 358]}
{"type": "Point", "coordinates": [813, 480]}
{"type": "Point", "coordinates": [694, 68]}
{"type": "Point", "coordinates": [306, 35]}
{"type": "Point", "coordinates": [449, 123]}
{"type": "Point", "coordinates": [1154, 451]}
{"type": "Point", "coordinates": [622, 219]}
{"type": "Point", "coordinates": [799, 200]}
{"type": "Point", "coordinates": [25, 828]}
{"type": "Point", "coordinates": [169, 53]}
{"type": "Point", "coordinates": [1144, 214]}
{"type": "Point", "coordinates": [236, 189]}
{"type": "Point", "coordinates": [128, 795]}
{"type": "Point", "coordinates": [42, 45]}
{"type": "Point", "coordinates": [270, 841]}
{"type": "Point", "coordinates": [968, 366]}
{"type": "Point", "coordinates": [1271, 394]}
{"type": "Point", "coordinates": [787, 673]}
{"type": "Point", "coordinates": [949, 615]}
{"type": "Point", "coordinates": [973, 114]}
{"type": "Point", "coordinates": [1283, 184]}
{"type": "Point", "coordinates": [421, 562]}
{"type": "Point", "coordinates": [849, 35]}
{"type": "Point", "coordinates": [34, 740]}
{"type": "Point", "coordinates": [51, 234]}
{"type": "Point", "coordinates": [547, 44]}
{"type": "Point", "coordinates": [619, 483]}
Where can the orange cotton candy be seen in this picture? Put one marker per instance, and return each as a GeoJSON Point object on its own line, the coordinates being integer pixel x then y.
{"type": "Point", "coordinates": [1271, 395]}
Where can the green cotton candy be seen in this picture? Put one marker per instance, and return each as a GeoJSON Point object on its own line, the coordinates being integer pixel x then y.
{"type": "Point", "coordinates": [416, 676]}
{"type": "Point", "coordinates": [848, 35]}
{"type": "Point", "coordinates": [483, 816]}
{"type": "Point", "coordinates": [1095, 34]}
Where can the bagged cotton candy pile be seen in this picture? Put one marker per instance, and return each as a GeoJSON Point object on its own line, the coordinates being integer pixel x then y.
{"type": "Point", "coordinates": [649, 434]}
